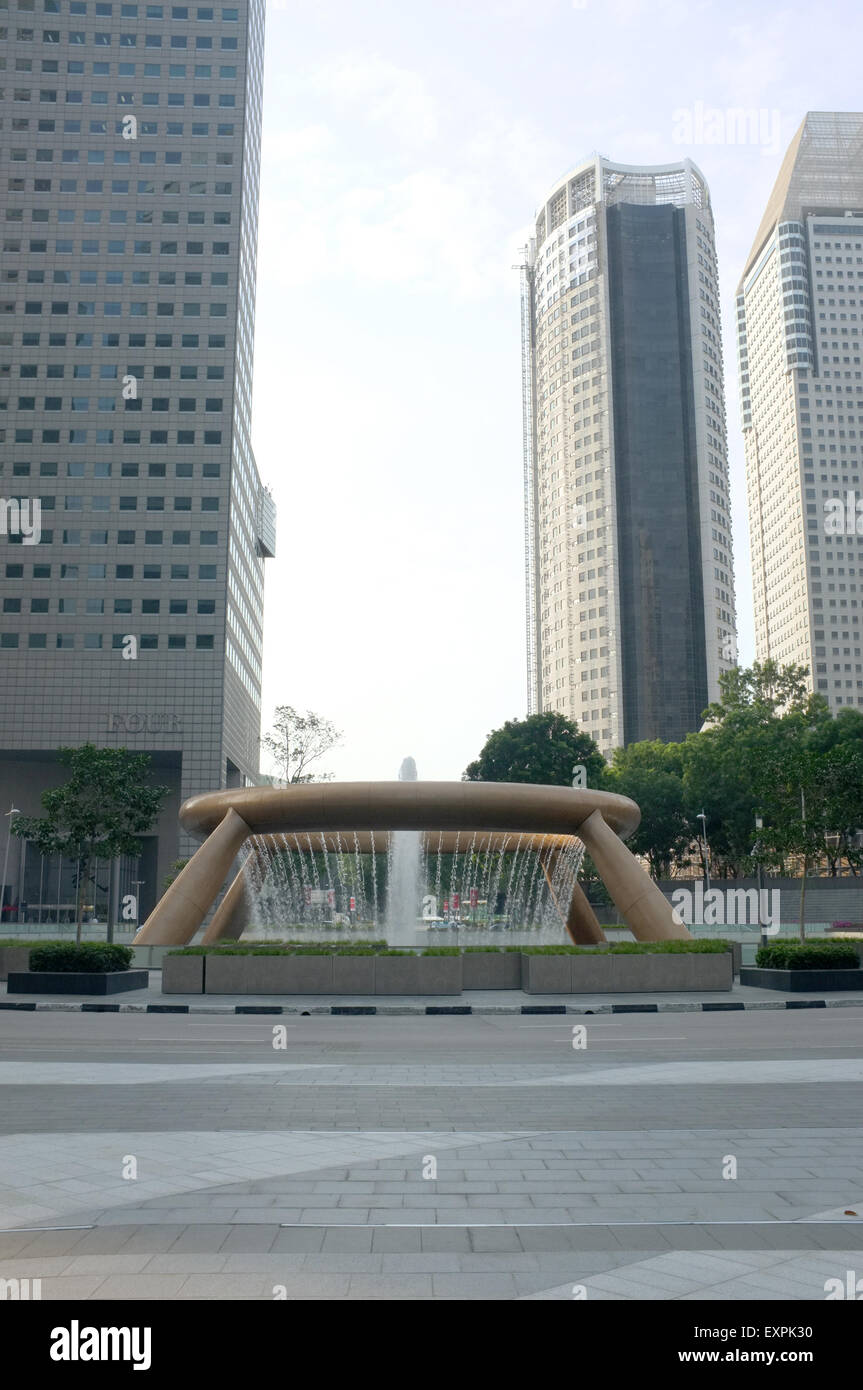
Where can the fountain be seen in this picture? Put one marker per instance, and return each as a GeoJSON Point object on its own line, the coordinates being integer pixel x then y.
{"type": "Point", "coordinates": [484, 856]}
{"type": "Point", "coordinates": [404, 887]}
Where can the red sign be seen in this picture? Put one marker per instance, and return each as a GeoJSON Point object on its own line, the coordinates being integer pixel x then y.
{"type": "Point", "coordinates": [456, 900]}
{"type": "Point", "coordinates": [446, 904]}
{"type": "Point", "coordinates": [353, 904]}
{"type": "Point", "coordinates": [474, 897]}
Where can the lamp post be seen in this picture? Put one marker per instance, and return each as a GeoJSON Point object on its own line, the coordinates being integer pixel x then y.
{"type": "Point", "coordinates": [137, 883]}
{"type": "Point", "coordinates": [756, 850]}
{"type": "Point", "coordinates": [13, 811]}
{"type": "Point", "coordinates": [703, 818]}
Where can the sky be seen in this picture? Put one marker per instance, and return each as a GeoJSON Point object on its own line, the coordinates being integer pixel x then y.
{"type": "Point", "coordinates": [406, 146]}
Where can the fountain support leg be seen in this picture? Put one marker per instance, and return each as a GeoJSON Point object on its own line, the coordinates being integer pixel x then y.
{"type": "Point", "coordinates": [580, 920]}
{"type": "Point", "coordinates": [647, 913]}
{"type": "Point", "coordinates": [232, 915]}
{"type": "Point", "coordinates": [182, 909]}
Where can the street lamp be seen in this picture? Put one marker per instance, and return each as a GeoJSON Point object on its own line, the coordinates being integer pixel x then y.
{"type": "Point", "coordinates": [136, 884]}
{"type": "Point", "coordinates": [756, 850]}
{"type": "Point", "coordinates": [703, 818]}
{"type": "Point", "coordinates": [13, 811]}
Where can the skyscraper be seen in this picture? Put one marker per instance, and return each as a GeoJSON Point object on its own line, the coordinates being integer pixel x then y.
{"type": "Point", "coordinates": [630, 584]}
{"type": "Point", "coordinates": [799, 315]}
{"type": "Point", "coordinates": [129, 160]}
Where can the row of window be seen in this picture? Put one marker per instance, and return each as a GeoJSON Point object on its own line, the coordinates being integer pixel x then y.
{"type": "Point", "coordinates": [101, 437]}
{"type": "Point", "coordinates": [103, 470]}
{"type": "Point", "coordinates": [112, 340]}
{"type": "Point", "coordinates": [49, 96]}
{"type": "Point", "coordinates": [51, 67]}
{"type": "Point", "coordinates": [46, 156]}
{"type": "Point", "coordinates": [143, 218]}
{"type": "Point", "coordinates": [46, 126]}
{"type": "Point", "coordinates": [82, 371]}
{"type": "Point", "coordinates": [115, 309]}
{"type": "Point", "coordinates": [107, 404]}
{"type": "Point", "coordinates": [140, 248]}
{"type": "Point", "coordinates": [196, 189]}
{"type": "Point", "coordinates": [93, 641]}
{"type": "Point", "coordinates": [73, 537]}
{"type": "Point", "coordinates": [206, 13]}
{"type": "Point", "coordinates": [69, 606]}
{"type": "Point", "coordinates": [121, 572]}
{"type": "Point", "coordinates": [128, 504]}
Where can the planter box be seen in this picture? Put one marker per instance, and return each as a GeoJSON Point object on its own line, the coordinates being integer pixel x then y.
{"type": "Point", "coordinates": [802, 981]}
{"type": "Point", "coordinates": [14, 958]}
{"type": "Point", "coordinates": [657, 973]}
{"type": "Point", "coordinates": [603, 973]}
{"type": "Point", "coordinates": [353, 975]}
{"type": "Point", "coordinates": [418, 974]}
{"type": "Point", "coordinates": [269, 975]}
{"type": "Point", "coordinates": [76, 981]}
{"type": "Point", "coordinates": [491, 970]}
{"type": "Point", "coordinates": [183, 975]}
{"type": "Point", "coordinates": [547, 974]}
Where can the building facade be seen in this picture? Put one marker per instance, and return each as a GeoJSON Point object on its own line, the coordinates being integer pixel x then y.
{"type": "Point", "coordinates": [799, 316]}
{"type": "Point", "coordinates": [630, 580]}
{"type": "Point", "coordinates": [132, 612]}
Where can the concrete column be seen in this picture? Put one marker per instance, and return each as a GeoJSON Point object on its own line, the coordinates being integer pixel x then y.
{"type": "Point", "coordinates": [581, 920]}
{"type": "Point", "coordinates": [182, 909]}
{"type": "Point", "coordinates": [642, 906]}
{"type": "Point", "coordinates": [232, 915]}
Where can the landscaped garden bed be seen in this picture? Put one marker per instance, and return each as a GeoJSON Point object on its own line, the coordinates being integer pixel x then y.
{"type": "Point", "coordinates": [804, 966]}
{"type": "Point", "coordinates": [374, 969]}
{"type": "Point", "coordinates": [77, 968]}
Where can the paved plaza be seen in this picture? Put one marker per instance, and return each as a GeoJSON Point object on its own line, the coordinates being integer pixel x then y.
{"type": "Point", "coordinates": [665, 1156]}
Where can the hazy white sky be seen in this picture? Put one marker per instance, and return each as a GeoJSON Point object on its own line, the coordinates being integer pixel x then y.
{"type": "Point", "coordinates": [406, 146]}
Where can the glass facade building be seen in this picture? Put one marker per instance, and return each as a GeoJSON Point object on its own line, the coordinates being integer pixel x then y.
{"type": "Point", "coordinates": [800, 344]}
{"type": "Point", "coordinates": [132, 613]}
{"type": "Point", "coordinates": [630, 581]}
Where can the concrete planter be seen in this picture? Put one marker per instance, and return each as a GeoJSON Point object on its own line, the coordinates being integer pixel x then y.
{"type": "Point", "coordinates": [14, 958]}
{"type": "Point", "coordinates": [547, 974]}
{"type": "Point", "coordinates": [268, 975]}
{"type": "Point", "coordinates": [657, 973]}
{"type": "Point", "coordinates": [802, 981]}
{"type": "Point", "coordinates": [76, 981]}
{"type": "Point", "coordinates": [353, 974]}
{"type": "Point", "coordinates": [491, 970]}
{"type": "Point", "coordinates": [602, 973]}
{"type": "Point", "coordinates": [183, 974]}
{"type": "Point", "coordinates": [418, 974]}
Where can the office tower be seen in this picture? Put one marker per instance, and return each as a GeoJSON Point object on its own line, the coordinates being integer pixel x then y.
{"type": "Point", "coordinates": [129, 163]}
{"type": "Point", "coordinates": [630, 587]}
{"type": "Point", "coordinates": [799, 311]}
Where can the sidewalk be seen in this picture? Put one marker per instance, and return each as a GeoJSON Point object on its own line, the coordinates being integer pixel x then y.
{"type": "Point", "coordinates": [507, 1001]}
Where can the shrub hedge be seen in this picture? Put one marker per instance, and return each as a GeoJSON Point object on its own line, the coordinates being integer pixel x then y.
{"type": "Point", "coordinates": [91, 956]}
{"type": "Point", "coordinates": [808, 955]}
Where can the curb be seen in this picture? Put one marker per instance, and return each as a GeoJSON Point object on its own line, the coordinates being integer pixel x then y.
{"type": "Point", "coordinates": [436, 1010]}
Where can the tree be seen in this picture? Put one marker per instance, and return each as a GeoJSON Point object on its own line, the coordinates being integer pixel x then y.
{"type": "Point", "coordinates": [544, 748]}
{"type": "Point", "coordinates": [99, 813]}
{"type": "Point", "coordinates": [297, 741]}
{"type": "Point", "coordinates": [651, 774]}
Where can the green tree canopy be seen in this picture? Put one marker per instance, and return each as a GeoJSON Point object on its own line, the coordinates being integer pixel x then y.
{"type": "Point", "coordinates": [544, 748]}
{"type": "Point", "coordinates": [98, 813]}
{"type": "Point", "coordinates": [651, 774]}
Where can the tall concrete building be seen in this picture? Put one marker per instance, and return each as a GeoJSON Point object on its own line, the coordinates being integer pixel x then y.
{"type": "Point", "coordinates": [799, 317]}
{"type": "Point", "coordinates": [129, 163]}
{"type": "Point", "coordinates": [630, 581]}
